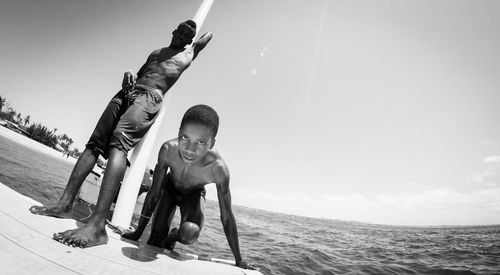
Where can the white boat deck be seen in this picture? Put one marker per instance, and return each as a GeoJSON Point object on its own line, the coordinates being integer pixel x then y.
{"type": "Point", "coordinates": [27, 247]}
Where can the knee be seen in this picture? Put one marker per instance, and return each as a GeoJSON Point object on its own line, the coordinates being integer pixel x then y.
{"type": "Point", "coordinates": [91, 151]}
{"type": "Point", "coordinates": [188, 233]}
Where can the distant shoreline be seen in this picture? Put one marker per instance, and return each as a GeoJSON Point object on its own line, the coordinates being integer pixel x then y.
{"type": "Point", "coordinates": [35, 145]}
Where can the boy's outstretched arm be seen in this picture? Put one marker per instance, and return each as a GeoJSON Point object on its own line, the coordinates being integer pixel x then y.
{"type": "Point", "coordinates": [221, 175]}
{"type": "Point", "coordinates": [152, 197]}
{"type": "Point", "coordinates": [201, 43]}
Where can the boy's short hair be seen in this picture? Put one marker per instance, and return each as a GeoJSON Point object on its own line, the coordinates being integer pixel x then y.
{"type": "Point", "coordinates": [191, 25]}
{"type": "Point", "coordinates": [204, 115]}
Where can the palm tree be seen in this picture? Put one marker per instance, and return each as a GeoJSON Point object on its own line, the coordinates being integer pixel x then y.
{"type": "Point", "coordinates": [41, 134]}
{"type": "Point", "coordinates": [65, 141]}
{"type": "Point", "coordinates": [2, 103]}
{"type": "Point", "coordinates": [12, 113]}
{"type": "Point", "coordinates": [27, 120]}
{"type": "Point", "coordinates": [18, 118]}
{"type": "Point", "coordinates": [70, 141]}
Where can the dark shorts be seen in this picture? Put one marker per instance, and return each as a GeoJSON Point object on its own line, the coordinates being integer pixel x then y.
{"type": "Point", "coordinates": [192, 208]}
{"type": "Point", "coordinates": [192, 205]}
{"type": "Point", "coordinates": [188, 203]}
{"type": "Point", "coordinates": [125, 121]}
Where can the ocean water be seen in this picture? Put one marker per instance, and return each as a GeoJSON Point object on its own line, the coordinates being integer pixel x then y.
{"type": "Point", "coordinates": [287, 244]}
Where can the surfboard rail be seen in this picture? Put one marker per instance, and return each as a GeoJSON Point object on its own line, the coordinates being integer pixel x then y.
{"type": "Point", "coordinates": [28, 248]}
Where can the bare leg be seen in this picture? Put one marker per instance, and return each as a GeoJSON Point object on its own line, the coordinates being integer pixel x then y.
{"type": "Point", "coordinates": [94, 232]}
{"type": "Point", "coordinates": [63, 208]}
{"type": "Point", "coordinates": [192, 217]}
{"type": "Point", "coordinates": [163, 217]}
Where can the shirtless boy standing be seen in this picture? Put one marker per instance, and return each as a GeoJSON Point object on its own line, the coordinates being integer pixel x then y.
{"type": "Point", "coordinates": [185, 165]}
{"type": "Point", "coordinates": [124, 122]}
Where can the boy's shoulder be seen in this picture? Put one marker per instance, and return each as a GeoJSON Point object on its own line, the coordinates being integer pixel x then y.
{"type": "Point", "coordinates": [216, 161]}
{"type": "Point", "coordinates": [169, 146]}
{"type": "Point", "coordinates": [156, 52]}
{"type": "Point", "coordinates": [173, 143]}
{"type": "Point", "coordinates": [214, 155]}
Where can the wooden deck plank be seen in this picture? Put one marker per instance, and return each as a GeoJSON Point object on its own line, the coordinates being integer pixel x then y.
{"type": "Point", "coordinates": [28, 248]}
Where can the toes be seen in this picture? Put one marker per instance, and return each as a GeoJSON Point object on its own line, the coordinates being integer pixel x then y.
{"type": "Point", "coordinates": [67, 234]}
{"type": "Point", "coordinates": [77, 243]}
{"type": "Point", "coordinates": [69, 237]}
{"type": "Point", "coordinates": [67, 241]}
{"type": "Point", "coordinates": [72, 241]}
{"type": "Point", "coordinates": [60, 238]}
{"type": "Point", "coordinates": [64, 237]}
{"type": "Point", "coordinates": [57, 236]}
{"type": "Point", "coordinates": [35, 209]}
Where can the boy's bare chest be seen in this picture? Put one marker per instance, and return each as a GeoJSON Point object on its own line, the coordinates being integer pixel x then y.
{"type": "Point", "coordinates": [191, 177]}
{"type": "Point", "coordinates": [172, 63]}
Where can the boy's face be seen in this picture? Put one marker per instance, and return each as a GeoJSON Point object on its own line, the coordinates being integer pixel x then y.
{"type": "Point", "coordinates": [195, 140]}
{"type": "Point", "coordinates": [182, 36]}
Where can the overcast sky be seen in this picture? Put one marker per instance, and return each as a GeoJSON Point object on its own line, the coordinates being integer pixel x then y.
{"type": "Point", "coordinates": [375, 111]}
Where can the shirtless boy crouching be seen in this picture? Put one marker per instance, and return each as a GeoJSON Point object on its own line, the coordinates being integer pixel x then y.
{"type": "Point", "coordinates": [191, 164]}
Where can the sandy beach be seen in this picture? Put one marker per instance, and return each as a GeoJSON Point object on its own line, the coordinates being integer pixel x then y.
{"type": "Point", "coordinates": [34, 144]}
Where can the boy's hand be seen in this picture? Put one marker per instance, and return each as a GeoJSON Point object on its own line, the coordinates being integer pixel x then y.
{"type": "Point", "coordinates": [129, 234]}
{"type": "Point", "coordinates": [125, 233]}
{"type": "Point", "coordinates": [128, 82]}
{"type": "Point", "coordinates": [246, 265]}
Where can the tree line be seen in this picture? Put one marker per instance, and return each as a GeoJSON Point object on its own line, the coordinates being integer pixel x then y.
{"type": "Point", "coordinates": [37, 131]}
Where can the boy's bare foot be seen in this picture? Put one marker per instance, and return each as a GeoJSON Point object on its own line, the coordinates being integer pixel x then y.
{"type": "Point", "coordinates": [54, 211]}
{"type": "Point", "coordinates": [169, 243]}
{"type": "Point", "coordinates": [86, 236]}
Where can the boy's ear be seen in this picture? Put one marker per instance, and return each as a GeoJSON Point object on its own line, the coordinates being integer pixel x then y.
{"type": "Point", "coordinates": [213, 143]}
